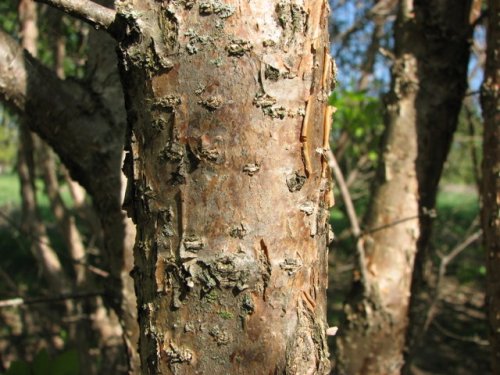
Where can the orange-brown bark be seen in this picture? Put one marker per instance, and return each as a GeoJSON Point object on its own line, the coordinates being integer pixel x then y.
{"type": "Point", "coordinates": [226, 184]}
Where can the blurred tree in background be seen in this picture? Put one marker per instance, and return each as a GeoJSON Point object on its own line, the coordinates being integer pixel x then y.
{"type": "Point", "coordinates": [451, 326]}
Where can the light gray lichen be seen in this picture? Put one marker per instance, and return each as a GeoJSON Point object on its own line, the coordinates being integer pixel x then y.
{"type": "Point", "coordinates": [238, 47]}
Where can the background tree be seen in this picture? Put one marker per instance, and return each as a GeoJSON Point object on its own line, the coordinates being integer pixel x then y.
{"type": "Point", "coordinates": [416, 142]}
{"type": "Point", "coordinates": [490, 100]}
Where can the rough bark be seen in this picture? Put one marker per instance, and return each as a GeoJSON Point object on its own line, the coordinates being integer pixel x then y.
{"type": "Point", "coordinates": [226, 102]}
{"type": "Point", "coordinates": [490, 101]}
{"type": "Point", "coordinates": [431, 55]}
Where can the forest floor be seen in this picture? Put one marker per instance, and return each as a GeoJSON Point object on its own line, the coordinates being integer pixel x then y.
{"type": "Point", "coordinates": [456, 342]}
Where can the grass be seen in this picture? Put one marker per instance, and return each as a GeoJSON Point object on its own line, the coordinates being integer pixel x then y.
{"type": "Point", "coordinates": [457, 219]}
{"type": "Point", "coordinates": [9, 190]}
{"type": "Point", "coordinates": [10, 193]}
{"type": "Point", "coordinates": [458, 207]}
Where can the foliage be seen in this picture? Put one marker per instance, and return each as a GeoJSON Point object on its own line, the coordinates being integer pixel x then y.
{"type": "Point", "coordinates": [9, 190]}
{"type": "Point", "coordinates": [467, 145]}
{"type": "Point", "coordinates": [360, 116]}
{"type": "Point", "coordinates": [8, 16]}
{"type": "Point", "coordinates": [8, 141]}
{"type": "Point", "coordinates": [356, 132]}
{"type": "Point", "coordinates": [56, 28]}
{"type": "Point", "coordinates": [65, 363]}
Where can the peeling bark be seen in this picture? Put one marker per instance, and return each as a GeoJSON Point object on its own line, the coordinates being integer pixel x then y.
{"type": "Point", "coordinates": [230, 269]}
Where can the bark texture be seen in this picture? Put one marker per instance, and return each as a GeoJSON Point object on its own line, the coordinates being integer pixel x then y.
{"type": "Point", "coordinates": [431, 55]}
{"type": "Point", "coordinates": [227, 111]}
{"type": "Point", "coordinates": [490, 100]}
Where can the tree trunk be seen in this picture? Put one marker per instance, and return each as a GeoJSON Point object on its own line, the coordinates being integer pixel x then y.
{"type": "Point", "coordinates": [490, 101]}
{"type": "Point", "coordinates": [118, 230]}
{"type": "Point", "coordinates": [421, 115]}
{"type": "Point", "coordinates": [227, 109]}
{"type": "Point", "coordinates": [64, 219]}
{"type": "Point", "coordinates": [443, 60]}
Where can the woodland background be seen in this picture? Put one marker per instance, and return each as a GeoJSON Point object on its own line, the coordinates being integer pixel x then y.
{"type": "Point", "coordinates": [46, 330]}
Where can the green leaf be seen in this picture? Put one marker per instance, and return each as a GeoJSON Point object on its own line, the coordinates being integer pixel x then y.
{"type": "Point", "coordinates": [373, 156]}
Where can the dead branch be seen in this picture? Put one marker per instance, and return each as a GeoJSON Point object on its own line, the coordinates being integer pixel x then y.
{"type": "Point", "coordinates": [88, 11]}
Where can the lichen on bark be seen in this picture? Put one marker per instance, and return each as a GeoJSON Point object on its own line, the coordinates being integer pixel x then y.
{"type": "Point", "coordinates": [230, 265]}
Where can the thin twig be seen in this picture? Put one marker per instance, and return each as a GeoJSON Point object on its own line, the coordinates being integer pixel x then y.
{"type": "Point", "coordinates": [21, 232]}
{"type": "Point", "coordinates": [88, 11]}
{"type": "Point", "coordinates": [474, 340]}
{"type": "Point", "coordinates": [63, 297]}
{"type": "Point", "coordinates": [459, 248]}
{"type": "Point", "coordinates": [344, 191]}
{"type": "Point", "coordinates": [351, 212]}
{"type": "Point", "coordinates": [445, 260]}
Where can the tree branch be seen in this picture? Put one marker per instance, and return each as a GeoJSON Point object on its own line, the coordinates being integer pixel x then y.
{"type": "Point", "coordinates": [88, 11]}
{"type": "Point", "coordinates": [63, 112]}
{"type": "Point", "coordinates": [351, 213]}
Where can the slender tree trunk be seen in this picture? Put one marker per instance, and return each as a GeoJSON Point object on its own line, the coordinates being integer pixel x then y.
{"type": "Point", "coordinates": [118, 230]}
{"type": "Point", "coordinates": [431, 55]}
{"type": "Point", "coordinates": [47, 259]}
{"type": "Point", "coordinates": [490, 100]}
{"type": "Point", "coordinates": [65, 221]}
{"type": "Point", "coordinates": [45, 255]}
{"type": "Point", "coordinates": [227, 109]}
{"type": "Point", "coordinates": [381, 10]}
{"type": "Point", "coordinates": [443, 59]}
